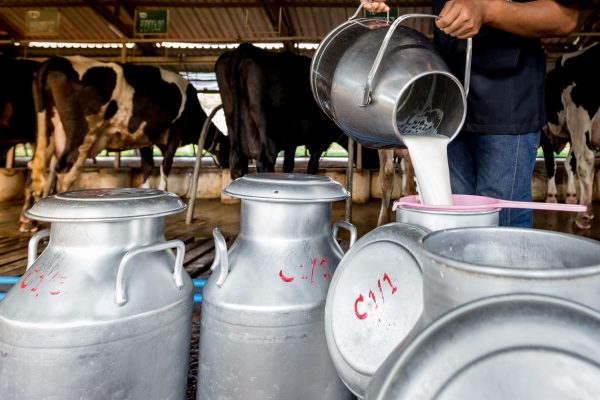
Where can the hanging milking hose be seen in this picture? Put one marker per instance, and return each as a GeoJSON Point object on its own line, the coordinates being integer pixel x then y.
{"type": "Point", "coordinates": [11, 280]}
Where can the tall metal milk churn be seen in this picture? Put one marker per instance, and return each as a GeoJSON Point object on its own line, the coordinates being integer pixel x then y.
{"type": "Point", "coordinates": [105, 311]}
{"type": "Point", "coordinates": [262, 325]}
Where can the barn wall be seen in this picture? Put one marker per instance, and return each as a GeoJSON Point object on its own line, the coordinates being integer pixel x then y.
{"type": "Point", "coordinates": [213, 180]}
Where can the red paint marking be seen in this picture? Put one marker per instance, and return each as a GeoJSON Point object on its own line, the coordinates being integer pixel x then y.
{"type": "Point", "coordinates": [380, 291]}
{"type": "Point", "coordinates": [40, 280]}
{"type": "Point", "coordinates": [372, 295]}
{"type": "Point", "coordinates": [54, 277]}
{"type": "Point", "coordinates": [326, 275]}
{"type": "Point", "coordinates": [314, 264]}
{"type": "Point", "coordinates": [24, 283]}
{"type": "Point", "coordinates": [285, 278]}
{"type": "Point", "coordinates": [304, 277]}
{"type": "Point", "coordinates": [323, 262]}
{"type": "Point", "coordinates": [359, 315]}
{"type": "Point", "coordinates": [55, 293]}
{"type": "Point", "coordinates": [387, 278]}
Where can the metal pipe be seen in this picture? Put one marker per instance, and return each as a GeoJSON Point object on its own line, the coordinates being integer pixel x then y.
{"type": "Point", "coordinates": [189, 217]}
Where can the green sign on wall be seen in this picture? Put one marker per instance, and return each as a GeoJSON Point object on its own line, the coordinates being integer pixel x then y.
{"type": "Point", "coordinates": [154, 22]}
{"type": "Point", "coordinates": [42, 22]}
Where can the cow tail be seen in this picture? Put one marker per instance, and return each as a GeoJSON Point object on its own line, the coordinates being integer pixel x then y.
{"type": "Point", "coordinates": [39, 84]}
{"type": "Point", "coordinates": [237, 92]}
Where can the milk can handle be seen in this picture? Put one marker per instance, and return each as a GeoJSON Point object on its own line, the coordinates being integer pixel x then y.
{"type": "Point", "coordinates": [220, 257]}
{"type": "Point", "coordinates": [121, 289]}
{"type": "Point", "coordinates": [360, 7]}
{"type": "Point", "coordinates": [33, 245]}
{"type": "Point", "coordinates": [347, 226]}
{"type": "Point", "coordinates": [383, 48]}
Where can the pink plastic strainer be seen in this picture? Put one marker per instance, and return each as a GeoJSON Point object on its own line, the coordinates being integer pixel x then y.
{"type": "Point", "coordinates": [465, 202]}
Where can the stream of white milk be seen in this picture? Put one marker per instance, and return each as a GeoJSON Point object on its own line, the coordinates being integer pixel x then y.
{"type": "Point", "coordinates": [429, 156]}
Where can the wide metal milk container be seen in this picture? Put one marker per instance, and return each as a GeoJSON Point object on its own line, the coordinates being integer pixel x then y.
{"type": "Point", "coordinates": [464, 265]}
{"type": "Point", "coordinates": [467, 264]}
{"type": "Point", "coordinates": [105, 311]}
{"type": "Point", "coordinates": [262, 325]}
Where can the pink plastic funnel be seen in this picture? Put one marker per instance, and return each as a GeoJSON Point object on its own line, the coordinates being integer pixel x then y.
{"type": "Point", "coordinates": [464, 202]}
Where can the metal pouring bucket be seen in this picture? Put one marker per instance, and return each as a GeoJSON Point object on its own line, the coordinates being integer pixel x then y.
{"type": "Point", "coordinates": [380, 81]}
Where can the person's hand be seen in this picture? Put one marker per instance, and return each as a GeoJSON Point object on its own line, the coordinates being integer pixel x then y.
{"type": "Point", "coordinates": [462, 18]}
{"type": "Point", "coordinates": [375, 5]}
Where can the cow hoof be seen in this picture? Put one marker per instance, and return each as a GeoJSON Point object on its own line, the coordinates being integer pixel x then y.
{"type": "Point", "coordinates": [571, 199]}
{"type": "Point", "coordinates": [28, 225]}
{"type": "Point", "coordinates": [551, 199]}
{"type": "Point", "coordinates": [582, 223]}
{"type": "Point", "coordinates": [587, 216]}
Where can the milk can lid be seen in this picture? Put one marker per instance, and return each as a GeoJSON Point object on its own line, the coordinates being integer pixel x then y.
{"type": "Point", "coordinates": [106, 205]}
{"type": "Point", "coordinates": [374, 300]}
{"type": "Point", "coordinates": [286, 188]}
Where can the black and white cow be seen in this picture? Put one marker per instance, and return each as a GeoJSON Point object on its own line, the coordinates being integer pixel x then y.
{"type": "Point", "coordinates": [17, 113]}
{"type": "Point", "coordinates": [85, 106]}
{"type": "Point", "coordinates": [573, 108]}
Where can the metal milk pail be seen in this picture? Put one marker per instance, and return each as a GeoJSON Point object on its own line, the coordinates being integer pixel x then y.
{"type": "Point", "coordinates": [436, 220]}
{"type": "Point", "coordinates": [105, 311]}
{"type": "Point", "coordinates": [380, 81]}
{"type": "Point", "coordinates": [262, 325]}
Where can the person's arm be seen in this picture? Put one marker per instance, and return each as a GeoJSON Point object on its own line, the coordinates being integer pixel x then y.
{"type": "Point", "coordinates": [538, 18]}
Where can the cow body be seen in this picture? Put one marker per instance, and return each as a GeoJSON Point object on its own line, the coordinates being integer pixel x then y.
{"type": "Point", "coordinates": [573, 108]}
{"type": "Point", "coordinates": [17, 113]}
{"type": "Point", "coordinates": [269, 107]}
{"type": "Point", "coordinates": [85, 106]}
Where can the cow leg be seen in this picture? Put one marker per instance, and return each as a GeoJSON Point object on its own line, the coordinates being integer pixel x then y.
{"type": "Point", "coordinates": [549, 162]}
{"type": "Point", "coordinates": [147, 160]}
{"type": "Point", "coordinates": [267, 156]}
{"type": "Point", "coordinates": [168, 154]}
{"type": "Point", "coordinates": [571, 170]}
{"type": "Point", "coordinates": [289, 154]}
{"type": "Point", "coordinates": [315, 157]}
{"type": "Point", "coordinates": [407, 171]}
{"type": "Point", "coordinates": [66, 180]}
{"type": "Point", "coordinates": [579, 125]}
{"type": "Point", "coordinates": [37, 166]}
{"type": "Point", "coordinates": [386, 181]}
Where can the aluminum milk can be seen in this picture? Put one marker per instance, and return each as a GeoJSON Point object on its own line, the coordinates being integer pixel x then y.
{"type": "Point", "coordinates": [262, 325]}
{"type": "Point", "coordinates": [105, 311]}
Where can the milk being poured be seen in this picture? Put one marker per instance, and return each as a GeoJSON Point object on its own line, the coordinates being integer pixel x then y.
{"type": "Point", "coordinates": [429, 156]}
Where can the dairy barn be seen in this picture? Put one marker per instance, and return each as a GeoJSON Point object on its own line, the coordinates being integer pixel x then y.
{"type": "Point", "coordinates": [316, 199]}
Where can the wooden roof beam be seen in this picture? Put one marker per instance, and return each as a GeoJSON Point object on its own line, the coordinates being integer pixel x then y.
{"type": "Point", "coordinates": [8, 28]}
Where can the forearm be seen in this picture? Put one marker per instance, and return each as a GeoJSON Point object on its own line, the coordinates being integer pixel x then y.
{"type": "Point", "coordinates": [538, 18]}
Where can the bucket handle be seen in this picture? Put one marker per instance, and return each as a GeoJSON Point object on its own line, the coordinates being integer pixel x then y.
{"type": "Point", "coordinates": [120, 287]}
{"type": "Point", "coordinates": [33, 245]}
{"type": "Point", "coordinates": [360, 7]}
{"type": "Point", "coordinates": [347, 226]}
{"type": "Point", "coordinates": [220, 257]}
{"type": "Point", "coordinates": [369, 83]}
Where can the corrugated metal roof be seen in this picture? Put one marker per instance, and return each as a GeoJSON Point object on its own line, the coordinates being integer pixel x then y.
{"type": "Point", "coordinates": [211, 21]}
